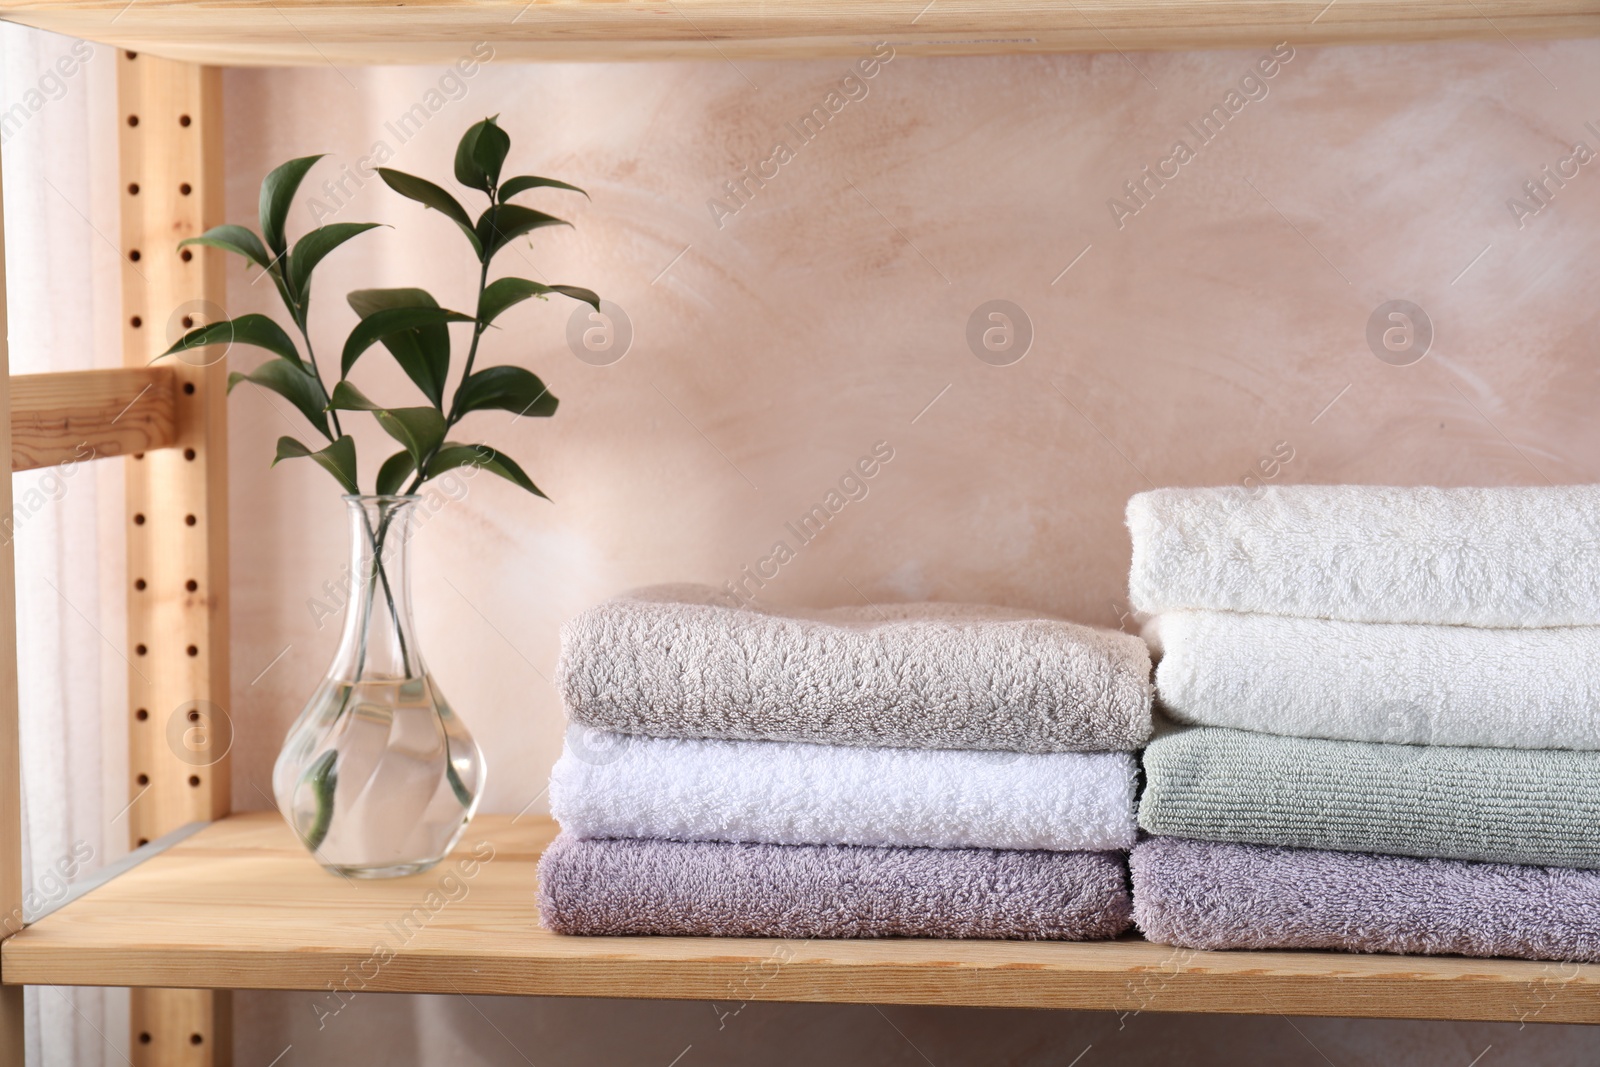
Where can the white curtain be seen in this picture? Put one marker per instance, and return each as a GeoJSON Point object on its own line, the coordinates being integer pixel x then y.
{"type": "Point", "coordinates": [58, 139]}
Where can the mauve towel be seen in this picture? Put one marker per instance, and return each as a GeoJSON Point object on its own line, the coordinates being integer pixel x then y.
{"type": "Point", "coordinates": [643, 886]}
{"type": "Point", "coordinates": [1199, 894]}
{"type": "Point", "coordinates": [1523, 556]}
{"type": "Point", "coordinates": [1497, 804]}
{"type": "Point", "coordinates": [682, 661]}
{"type": "Point", "coordinates": [1536, 687]}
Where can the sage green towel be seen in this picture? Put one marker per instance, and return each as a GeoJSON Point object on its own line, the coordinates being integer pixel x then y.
{"type": "Point", "coordinates": [1496, 804]}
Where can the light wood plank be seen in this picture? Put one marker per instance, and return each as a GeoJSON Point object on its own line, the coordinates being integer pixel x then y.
{"type": "Point", "coordinates": [240, 904]}
{"type": "Point", "coordinates": [177, 503]}
{"type": "Point", "coordinates": [318, 32]}
{"type": "Point", "coordinates": [91, 414]}
{"type": "Point", "coordinates": [13, 1039]}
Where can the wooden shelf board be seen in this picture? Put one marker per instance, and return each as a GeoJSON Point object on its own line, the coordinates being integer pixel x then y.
{"type": "Point", "coordinates": [319, 32]}
{"type": "Point", "coordinates": [240, 905]}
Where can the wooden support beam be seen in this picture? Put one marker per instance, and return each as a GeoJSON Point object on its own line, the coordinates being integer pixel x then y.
{"type": "Point", "coordinates": [177, 501]}
{"type": "Point", "coordinates": [90, 414]}
{"type": "Point", "coordinates": [13, 1042]}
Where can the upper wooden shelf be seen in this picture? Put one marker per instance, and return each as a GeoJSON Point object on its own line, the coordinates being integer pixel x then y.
{"type": "Point", "coordinates": [314, 32]}
{"type": "Point", "coordinates": [240, 905]}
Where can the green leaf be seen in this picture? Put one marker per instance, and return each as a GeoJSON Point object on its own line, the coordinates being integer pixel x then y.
{"type": "Point", "coordinates": [503, 223]}
{"type": "Point", "coordinates": [411, 326]}
{"type": "Point", "coordinates": [277, 193]}
{"type": "Point", "coordinates": [295, 384]}
{"type": "Point", "coordinates": [235, 239]}
{"type": "Point", "coordinates": [310, 249]}
{"type": "Point", "coordinates": [338, 459]}
{"type": "Point", "coordinates": [323, 778]}
{"type": "Point", "coordinates": [505, 389]}
{"type": "Point", "coordinates": [428, 194]}
{"type": "Point", "coordinates": [453, 455]}
{"type": "Point", "coordinates": [522, 183]}
{"type": "Point", "coordinates": [480, 153]}
{"type": "Point", "coordinates": [506, 292]}
{"type": "Point", "coordinates": [394, 472]}
{"type": "Point", "coordinates": [419, 429]}
{"type": "Point", "coordinates": [347, 397]}
{"type": "Point", "coordinates": [255, 330]}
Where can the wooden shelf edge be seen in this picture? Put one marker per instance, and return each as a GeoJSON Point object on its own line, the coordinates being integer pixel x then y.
{"type": "Point", "coordinates": [321, 32]}
{"type": "Point", "coordinates": [239, 906]}
{"type": "Point", "coordinates": [69, 417]}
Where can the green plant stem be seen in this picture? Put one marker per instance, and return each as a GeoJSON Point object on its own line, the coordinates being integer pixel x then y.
{"type": "Point", "coordinates": [472, 354]}
{"type": "Point", "coordinates": [300, 321]}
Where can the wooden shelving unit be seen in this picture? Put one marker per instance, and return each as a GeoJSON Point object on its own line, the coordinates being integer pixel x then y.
{"type": "Point", "coordinates": [238, 904]}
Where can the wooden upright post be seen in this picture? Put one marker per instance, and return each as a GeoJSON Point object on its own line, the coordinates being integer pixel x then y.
{"type": "Point", "coordinates": [170, 123]}
{"type": "Point", "coordinates": [13, 1043]}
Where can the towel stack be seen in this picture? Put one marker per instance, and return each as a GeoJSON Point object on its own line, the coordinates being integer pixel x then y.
{"type": "Point", "coordinates": [1391, 709]}
{"type": "Point", "coordinates": [925, 770]}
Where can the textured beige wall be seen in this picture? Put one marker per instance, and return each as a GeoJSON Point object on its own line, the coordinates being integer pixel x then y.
{"type": "Point", "coordinates": [1212, 330]}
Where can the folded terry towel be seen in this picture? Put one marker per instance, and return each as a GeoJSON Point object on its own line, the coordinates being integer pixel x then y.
{"type": "Point", "coordinates": [785, 793]}
{"type": "Point", "coordinates": [1475, 557]}
{"type": "Point", "coordinates": [698, 889]}
{"type": "Point", "coordinates": [1499, 804]}
{"type": "Point", "coordinates": [1396, 682]}
{"type": "Point", "coordinates": [679, 661]}
{"type": "Point", "coordinates": [1199, 894]}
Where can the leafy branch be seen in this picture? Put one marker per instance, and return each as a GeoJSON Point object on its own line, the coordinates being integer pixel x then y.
{"type": "Point", "coordinates": [409, 323]}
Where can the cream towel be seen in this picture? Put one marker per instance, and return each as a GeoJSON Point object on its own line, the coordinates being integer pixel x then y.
{"type": "Point", "coordinates": [1361, 681]}
{"type": "Point", "coordinates": [1473, 557]}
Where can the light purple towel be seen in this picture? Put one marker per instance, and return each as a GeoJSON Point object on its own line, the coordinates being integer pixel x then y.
{"type": "Point", "coordinates": [643, 886]}
{"type": "Point", "coordinates": [1207, 895]}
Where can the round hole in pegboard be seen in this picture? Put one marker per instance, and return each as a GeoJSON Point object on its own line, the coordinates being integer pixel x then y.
{"type": "Point", "coordinates": [184, 120]}
{"type": "Point", "coordinates": [133, 120]}
{"type": "Point", "coordinates": [138, 518]}
{"type": "Point", "coordinates": [189, 520]}
{"type": "Point", "coordinates": [194, 781]}
{"type": "Point", "coordinates": [144, 1038]}
{"type": "Point", "coordinates": [143, 779]}
{"type": "Point", "coordinates": [139, 584]}
{"type": "Point", "coordinates": [138, 455]}
{"type": "Point", "coordinates": [191, 585]}
{"type": "Point", "coordinates": [185, 188]}
{"type": "Point", "coordinates": [196, 1039]}
{"type": "Point", "coordinates": [136, 322]}
{"type": "Point", "coordinates": [134, 255]}
{"type": "Point", "coordinates": [188, 389]}
{"type": "Point", "coordinates": [193, 650]}
{"type": "Point", "coordinates": [133, 188]}
{"type": "Point", "coordinates": [188, 454]}
{"type": "Point", "coordinates": [135, 55]}
{"type": "Point", "coordinates": [188, 321]}
{"type": "Point", "coordinates": [140, 650]}
{"type": "Point", "coordinates": [142, 714]}
{"type": "Point", "coordinates": [186, 255]}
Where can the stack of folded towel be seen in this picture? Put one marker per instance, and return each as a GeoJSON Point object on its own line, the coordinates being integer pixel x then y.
{"type": "Point", "coordinates": [1390, 702]}
{"type": "Point", "coordinates": [926, 770]}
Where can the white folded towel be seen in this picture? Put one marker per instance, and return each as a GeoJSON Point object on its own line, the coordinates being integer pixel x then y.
{"type": "Point", "coordinates": [1402, 683]}
{"type": "Point", "coordinates": [789, 793]}
{"type": "Point", "coordinates": [1473, 557]}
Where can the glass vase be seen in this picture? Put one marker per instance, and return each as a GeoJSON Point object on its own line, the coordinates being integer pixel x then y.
{"type": "Point", "coordinates": [378, 776]}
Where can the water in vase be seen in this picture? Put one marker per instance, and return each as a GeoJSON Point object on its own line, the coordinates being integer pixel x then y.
{"type": "Point", "coordinates": [378, 776]}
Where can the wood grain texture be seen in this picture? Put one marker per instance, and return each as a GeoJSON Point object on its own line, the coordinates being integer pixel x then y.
{"type": "Point", "coordinates": [240, 904]}
{"type": "Point", "coordinates": [13, 1038]}
{"type": "Point", "coordinates": [91, 414]}
{"type": "Point", "coordinates": [316, 32]}
{"type": "Point", "coordinates": [177, 503]}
